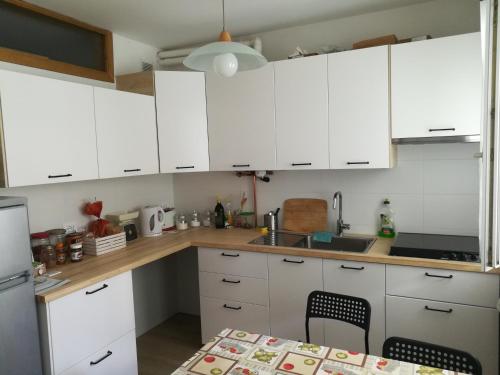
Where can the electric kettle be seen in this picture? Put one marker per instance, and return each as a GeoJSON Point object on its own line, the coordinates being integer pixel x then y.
{"type": "Point", "coordinates": [152, 218]}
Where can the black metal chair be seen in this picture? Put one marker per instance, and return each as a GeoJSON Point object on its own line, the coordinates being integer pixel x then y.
{"type": "Point", "coordinates": [423, 353]}
{"type": "Point", "coordinates": [349, 309]}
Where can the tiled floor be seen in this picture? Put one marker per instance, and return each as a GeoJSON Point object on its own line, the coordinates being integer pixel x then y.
{"type": "Point", "coordinates": [164, 348]}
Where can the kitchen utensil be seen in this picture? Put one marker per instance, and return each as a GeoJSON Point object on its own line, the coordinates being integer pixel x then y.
{"type": "Point", "coordinates": [305, 215]}
{"type": "Point", "coordinates": [152, 218]}
{"type": "Point", "coordinates": [271, 220]}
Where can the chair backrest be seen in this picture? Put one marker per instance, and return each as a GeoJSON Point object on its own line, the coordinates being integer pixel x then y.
{"type": "Point", "coordinates": [431, 355]}
{"type": "Point", "coordinates": [349, 309]}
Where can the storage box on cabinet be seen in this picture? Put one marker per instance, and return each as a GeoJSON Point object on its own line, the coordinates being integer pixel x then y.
{"type": "Point", "coordinates": [469, 328]}
{"type": "Point", "coordinates": [80, 324]}
{"type": "Point", "coordinates": [364, 280]}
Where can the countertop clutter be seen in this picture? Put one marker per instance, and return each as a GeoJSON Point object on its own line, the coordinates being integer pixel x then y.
{"type": "Point", "coordinates": [145, 250]}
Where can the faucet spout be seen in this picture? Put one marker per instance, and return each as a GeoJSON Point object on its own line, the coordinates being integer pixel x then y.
{"type": "Point", "coordinates": [337, 201]}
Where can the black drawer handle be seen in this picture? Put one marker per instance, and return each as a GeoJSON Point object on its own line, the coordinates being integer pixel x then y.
{"type": "Point", "coordinates": [439, 276]}
{"type": "Point", "coordinates": [442, 130]}
{"type": "Point", "coordinates": [231, 281]}
{"type": "Point", "coordinates": [293, 261]}
{"type": "Point", "coordinates": [230, 255]}
{"type": "Point", "coordinates": [240, 165]}
{"type": "Point", "coordinates": [448, 311]}
{"type": "Point", "coordinates": [93, 363]}
{"type": "Point", "coordinates": [352, 268]}
{"type": "Point", "coordinates": [186, 167]}
{"type": "Point", "coordinates": [300, 164]}
{"type": "Point", "coordinates": [60, 175]}
{"type": "Point", "coordinates": [232, 307]}
{"type": "Point", "coordinates": [357, 162]}
{"type": "Point", "coordinates": [104, 286]}
{"type": "Point", "coordinates": [132, 170]}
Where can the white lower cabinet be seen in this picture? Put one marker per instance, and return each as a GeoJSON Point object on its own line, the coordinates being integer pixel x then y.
{"type": "Point", "coordinates": [118, 357]}
{"type": "Point", "coordinates": [82, 323]}
{"type": "Point", "coordinates": [291, 279]}
{"type": "Point", "coordinates": [469, 328]}
{"type": "Point", "coordinates": [364, 280]}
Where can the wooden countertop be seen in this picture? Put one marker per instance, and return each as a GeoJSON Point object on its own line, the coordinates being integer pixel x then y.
{"type": "Point", "coordinates": [94, 269]}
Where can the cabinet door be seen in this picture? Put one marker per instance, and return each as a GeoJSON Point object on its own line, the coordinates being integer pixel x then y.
{"type": "Point", "coordinates": [241, 120]}
{"type": "Point", "coordinates": [469, 328]}
{"type": "Point", "coordinates": [301, 94]}
{"type": "Point", "coordinates": [182, 121]}
{"type": "Point", "coordinates": [359, 109]}
{"type": "Point", "coordinates": [126, 133]}
{"type": "Point", "coordinates": [48, 129]}
{"type": "Point", "coordinates": [291, 279]}
{"type": "Point", "coordinates": [364, 280]}
{"type": "Point", "coordinates": [436, 87]}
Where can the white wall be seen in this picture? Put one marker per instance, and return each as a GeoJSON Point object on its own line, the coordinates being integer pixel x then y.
{"type": "Point", "coordinates": [434, 189]}
{"type": "Point", "coordinates": [437, 18]}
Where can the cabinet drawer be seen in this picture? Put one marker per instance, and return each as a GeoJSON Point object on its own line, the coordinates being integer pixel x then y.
{"type": "Point", "coordinates": [85, 321]}
{"type": "Point", "coordinates": [117, 358]}
{"type": "Point", "coordinates": [442, 285]}
{"type": "Point", "coordinates": [236, 288]}
{"type": "Point", "coordinates": [232, 262]}
{"type": "Point", "coordinates": [470, 328]}
{"type": "Point", "coordinates": [217, 314]}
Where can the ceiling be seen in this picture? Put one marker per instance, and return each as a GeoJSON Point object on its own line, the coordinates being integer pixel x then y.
{"type": "Point", "coordinates": [173, 23]}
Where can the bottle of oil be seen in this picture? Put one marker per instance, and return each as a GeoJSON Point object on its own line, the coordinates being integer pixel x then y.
{"type": "Point", "coordinates": [220, 217]}
{"type": "Point", "coordinates": [386, 226]}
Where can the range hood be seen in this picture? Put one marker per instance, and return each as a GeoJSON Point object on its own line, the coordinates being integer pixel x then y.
{"type": "Point", "coordinates": [428, 140]}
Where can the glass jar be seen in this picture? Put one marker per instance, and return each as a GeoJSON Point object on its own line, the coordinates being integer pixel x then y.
{"type": "Point", "coordinates": [60, 253]}
{"type": "Point", "coordinates": [76, 252]}
{"type": "Point", "coordinates": [48, 256]}
{"type": "Point", "coordinates": [56, 236]}
{"type": "Point", "coordinates": [39, 241]}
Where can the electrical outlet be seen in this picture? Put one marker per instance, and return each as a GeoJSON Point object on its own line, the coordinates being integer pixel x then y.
{"type": "Point", "coordinates": [69, 227]}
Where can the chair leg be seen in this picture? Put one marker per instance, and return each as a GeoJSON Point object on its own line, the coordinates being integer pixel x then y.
{"type": "Point", "coordinates": [307, 331]}
{"type": "Point", "coordinates": [367, 348]}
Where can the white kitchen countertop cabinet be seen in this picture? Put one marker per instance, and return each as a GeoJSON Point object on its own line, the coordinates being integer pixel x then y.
{"type": "Point", "coordinates": [241, 120]}
{"type": "Point", "coordinates": [436, 87]}
{"type": "Point", "coordinates": [48, 130]}
{"type": "Point", "coordinates": [360, 132]}
{"type": "Point", "coordinates": [182, 121]}
{"type": "Point", "coordinates": [301, 95]}
{"type": "Point", "coordinates": [126, 133]}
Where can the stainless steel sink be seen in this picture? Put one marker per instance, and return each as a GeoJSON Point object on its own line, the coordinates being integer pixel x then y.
{"type": "Point", "coordinates": [304, 241]}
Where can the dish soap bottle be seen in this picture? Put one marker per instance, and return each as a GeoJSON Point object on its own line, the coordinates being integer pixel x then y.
{"type": "Point", "coordinates": [220, 219]}
{"type": "Point", "coordinates": [386, 227]}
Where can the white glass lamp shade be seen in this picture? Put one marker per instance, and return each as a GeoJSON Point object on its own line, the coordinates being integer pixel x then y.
{"type": "Point", "coordinates": [202, 59]}
{"type": "Point", "coordinates": [225, 65]}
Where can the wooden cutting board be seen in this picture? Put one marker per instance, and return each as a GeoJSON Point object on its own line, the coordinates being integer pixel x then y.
{"type": "Point", "coordinates": [305, 215]}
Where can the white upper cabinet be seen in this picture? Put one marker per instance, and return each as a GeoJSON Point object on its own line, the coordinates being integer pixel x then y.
{"type": "Point", "coordinates": [301, 94]}
{"type": "Point", "coordinates": [359, 109]}
{"type": "Point", "coordinates": [436, 87]}
{"type": "Point", "coordinates": [48, 129]}
{"type": "Point", "coordinates": [126, 133]}
{"type": "Point", "coordinates": [182, 121]}
{"type": "Point", "coordinates": [241, 120]}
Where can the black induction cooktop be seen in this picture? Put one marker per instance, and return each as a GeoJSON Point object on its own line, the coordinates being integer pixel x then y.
{"type": "Point", "coordinates": [436, 246]}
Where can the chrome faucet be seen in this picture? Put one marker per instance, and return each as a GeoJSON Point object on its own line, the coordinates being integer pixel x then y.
{"type": "Point", "coordinates": [340, 223]}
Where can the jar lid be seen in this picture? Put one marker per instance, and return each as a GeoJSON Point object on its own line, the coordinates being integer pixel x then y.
{"type": "Point", "coordinates": [75, 246]}
{"type": "Point", "coordinates": [39, 235]}
{"type": "Point", "coordinates": [57, 232]}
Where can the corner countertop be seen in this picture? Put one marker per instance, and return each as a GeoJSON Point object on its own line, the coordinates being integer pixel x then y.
{"type": "Point", "coordinates": [94, 269]}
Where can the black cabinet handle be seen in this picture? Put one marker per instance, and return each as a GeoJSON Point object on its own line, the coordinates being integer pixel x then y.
{"type": "Point", "coordinates": [132, 170]}
{"type": "Point", "coordinates": [231, 281]}
{"type": "Point", "coordinates": [186, 167]}
{"type": "Point", "coordinates": [439, 276]}
{"type": "Point", "coordinates": [104, 286]}
{"type": "Point", "coordinates": [293, 261]}
{"type": "Point", "coordinates": [300, 164]}
{"type": "Point", "coordinates": [232, 307]}
{"type": "Point", "coordinates": [230, 255]}
{"type": "Point", "coordinates": [92, 363]}
{"type": "Point", "coordinates": [240, 165]}
{"type": "Point", "coordinates": [60, 175]}
{"type": "Point", "coordinates": [448, 311]}
{"type": "Point", "coordinates": [442, 130]}
{"type": "Point", "coordinates": [357, 162]}
{"type": "Point", "coordinates": [352, 268]}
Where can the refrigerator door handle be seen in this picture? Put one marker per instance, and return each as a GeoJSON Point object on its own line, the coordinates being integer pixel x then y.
{"type": "Point", "coordinates": [10, 279]}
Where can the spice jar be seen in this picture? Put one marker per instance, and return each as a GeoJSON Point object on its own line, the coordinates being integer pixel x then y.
{"type": "Point", "coordinates": [76, 251]}
{"type": "Point", "coordinates": [60, 253]}
{"type": "Point", "coordinates": [39, 241]}
{"type": "Point", "coordinates": [48, 256]}
{"type": "Point", "coordinates": [56, 236]}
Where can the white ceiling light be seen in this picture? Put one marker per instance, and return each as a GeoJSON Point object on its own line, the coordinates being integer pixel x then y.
{"type": "Point", "coordinates": [224, 57]}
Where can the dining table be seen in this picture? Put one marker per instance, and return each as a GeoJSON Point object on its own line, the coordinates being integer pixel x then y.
{"type": "Point", "coordinates": [236, 352]}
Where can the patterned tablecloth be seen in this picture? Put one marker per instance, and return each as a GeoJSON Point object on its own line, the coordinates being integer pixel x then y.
{"type": "Point", "coordinates": [235, 352]}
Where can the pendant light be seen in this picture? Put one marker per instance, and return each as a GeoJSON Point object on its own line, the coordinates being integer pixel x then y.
{"type": "Point", "coordinates": [224, 57]}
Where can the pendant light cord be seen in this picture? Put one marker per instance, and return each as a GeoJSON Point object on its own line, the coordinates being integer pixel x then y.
{"type": "Point", "coordinates": [223, 16]}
